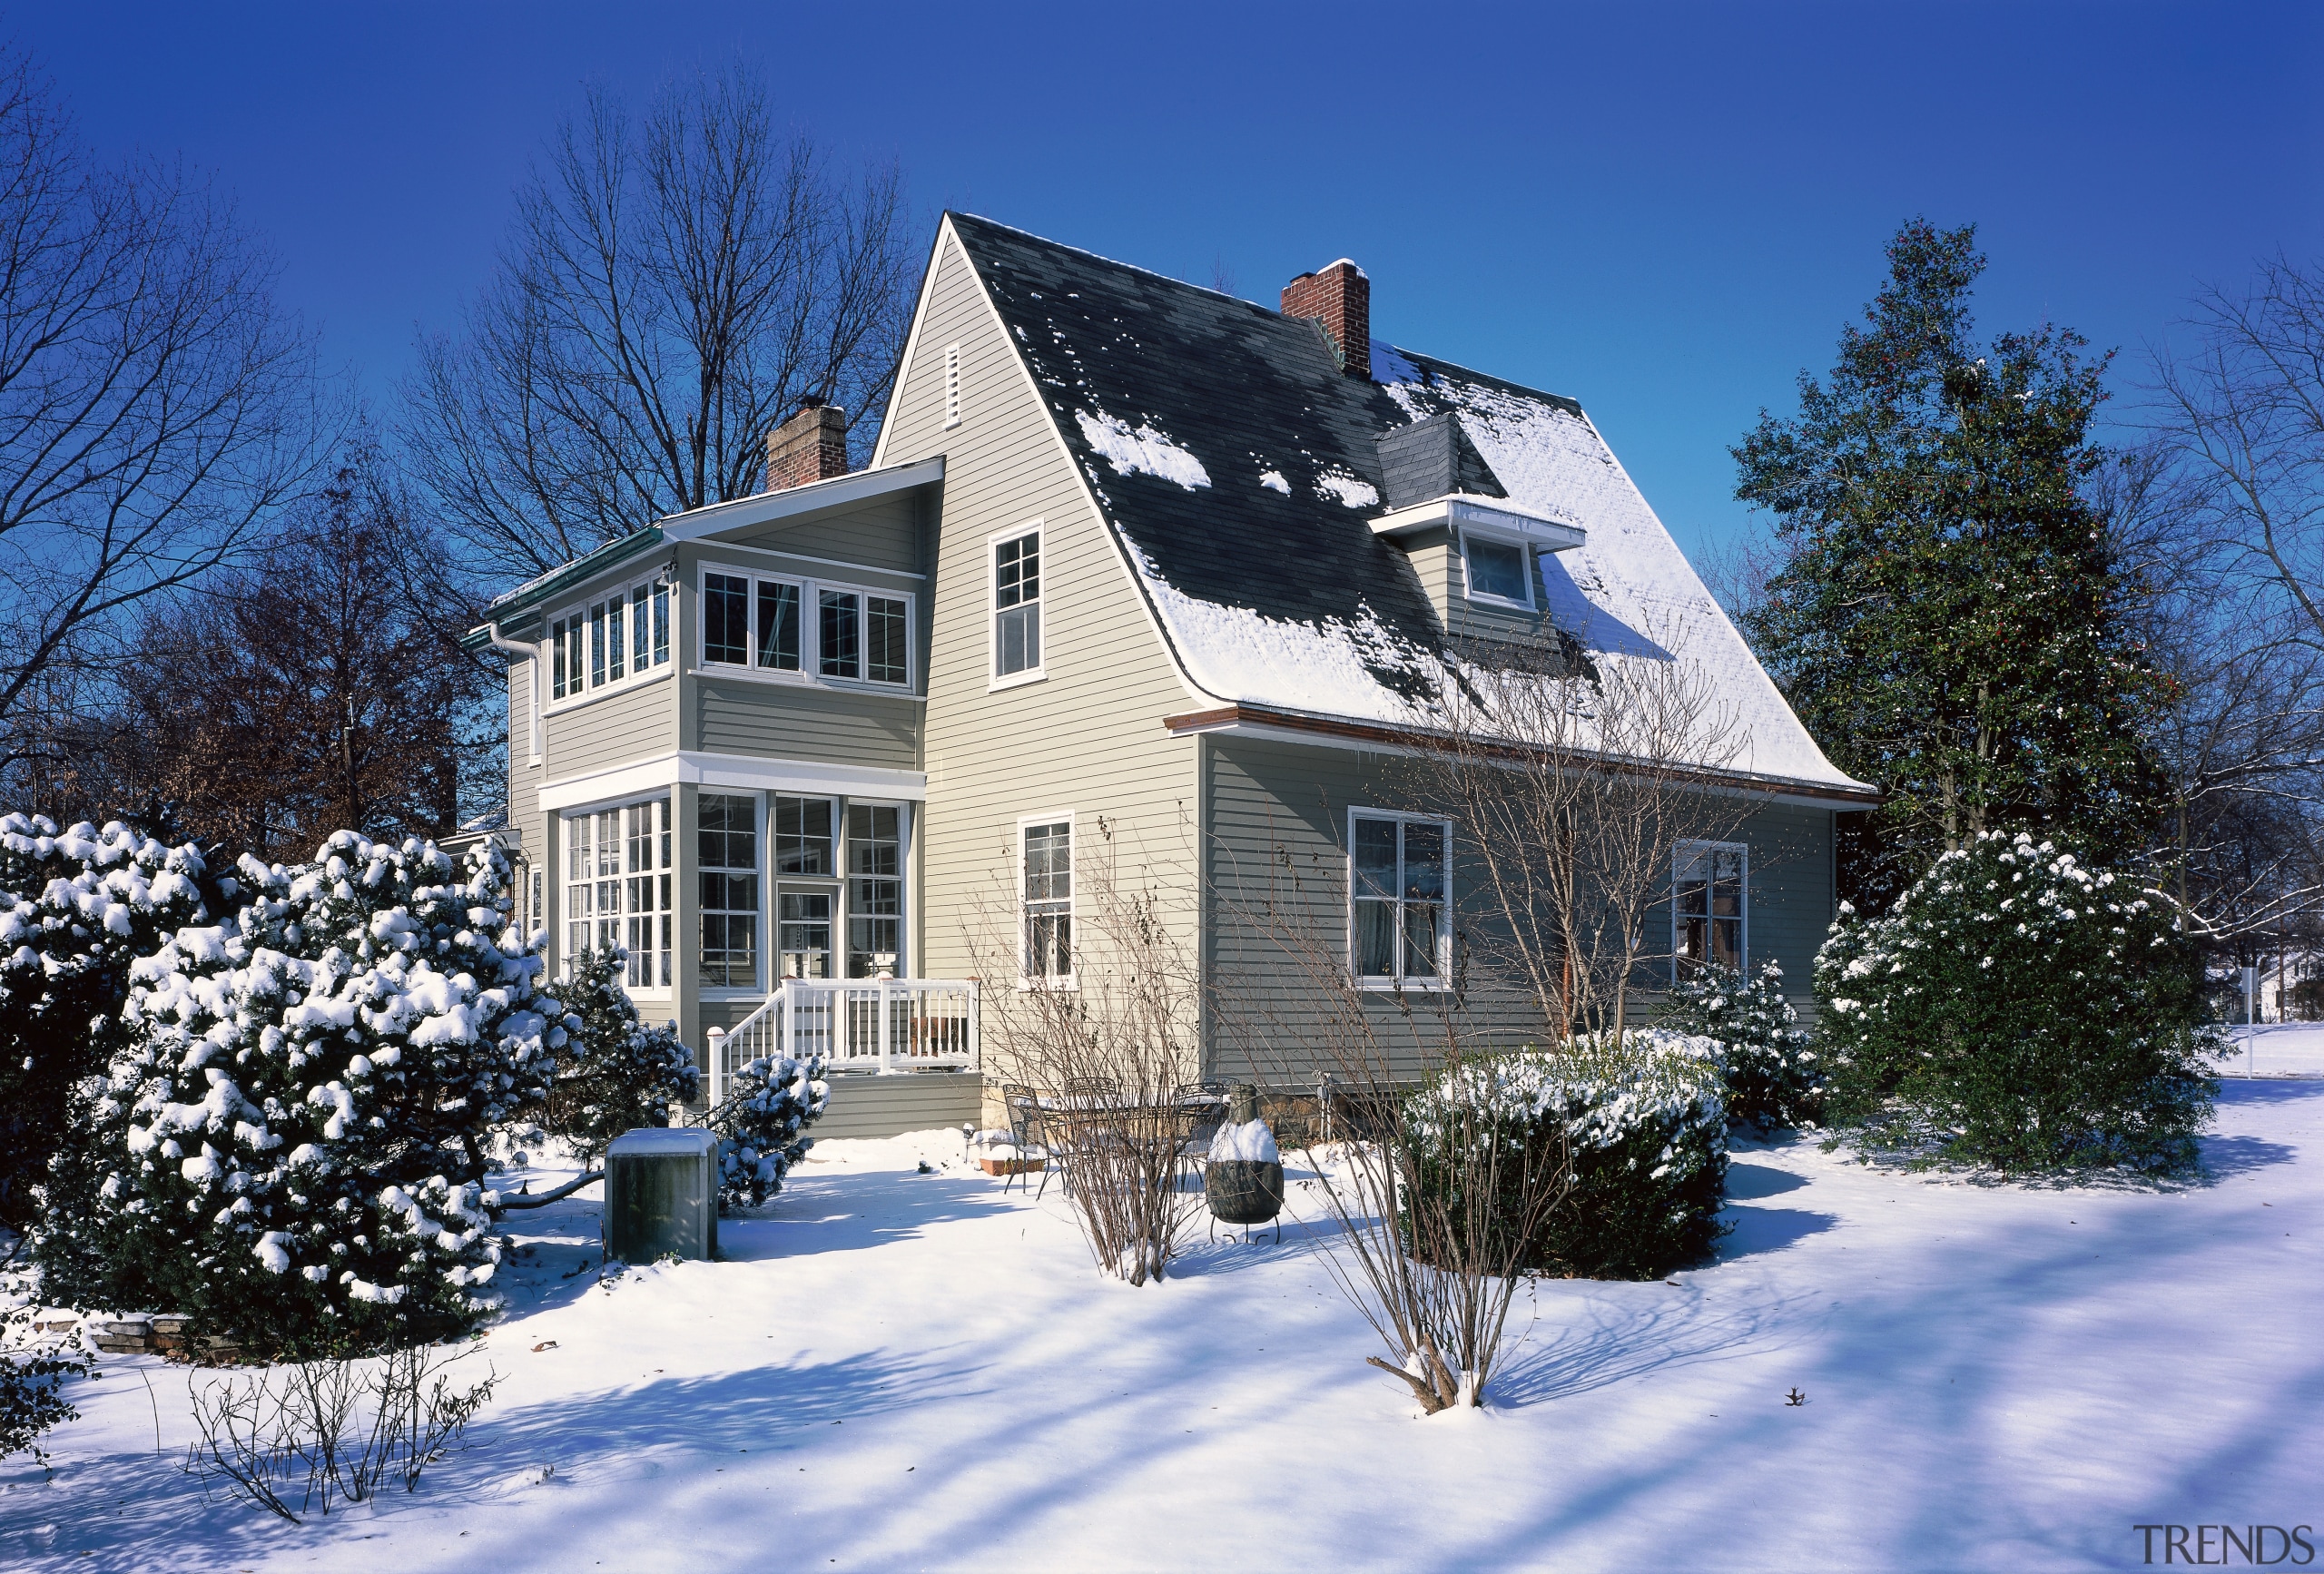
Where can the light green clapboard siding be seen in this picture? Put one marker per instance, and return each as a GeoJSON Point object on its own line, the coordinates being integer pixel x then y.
{"type": "Point", "coordinates": [525, 777]}
{"type": "Point", "coordinates": [613, 728]}
{"type": "Point", "coordinates": [791, 722]}
{"type": "Point", "coordinates": [883, 533]}
{"type": "Point", "coordinates": [1089, 739]}
{"type": "Point", "coordinates": [1278, 892]}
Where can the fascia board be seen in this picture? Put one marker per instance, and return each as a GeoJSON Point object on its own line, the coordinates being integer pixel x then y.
{"type": "Point", "coordinates": [1496, 515]}
{"type": "Point", "coordinates": [762, 508]}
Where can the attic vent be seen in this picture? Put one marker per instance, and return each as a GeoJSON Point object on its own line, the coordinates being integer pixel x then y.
{"type": "Point", "coordinates": [951, 385]}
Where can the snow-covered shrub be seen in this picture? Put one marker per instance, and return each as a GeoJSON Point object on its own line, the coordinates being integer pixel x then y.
{"type": "Point", "coordinates": [35, 1367]}
{"type": "Point", "coordinates": [297, 1131]}
{"type": "Point", "coordinates": [617, 1071]}
{"type": "Point", "coordinates": [2022, 1010]}
{"type": "Point", "coordinates": [758, 1125]}
{"type": "Point", "coordinates": [1637, 1125]}
{"type": "Point", "coordinates": [76, 908]}
{"type": "Point", "coordinates": [1772, 1079]}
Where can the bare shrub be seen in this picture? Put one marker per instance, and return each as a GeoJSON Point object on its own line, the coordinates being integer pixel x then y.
{"type": "Point", "coordinates": [1105, 1026]}
{"type": "Point", "coordinates": [340, 1429]}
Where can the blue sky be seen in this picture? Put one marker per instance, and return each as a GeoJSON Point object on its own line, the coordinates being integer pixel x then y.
{"type": "Point", "coordinates": [1665, 211]}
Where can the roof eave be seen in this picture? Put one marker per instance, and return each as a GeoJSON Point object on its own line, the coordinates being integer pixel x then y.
{"type": "Point", "coordinates": [1339, 731]}
{"type": "Point", "coordinates": [1455, 509]}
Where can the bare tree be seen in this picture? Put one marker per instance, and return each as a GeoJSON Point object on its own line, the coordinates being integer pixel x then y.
{"type": "Point", "coordinates": [671, 289]}
{"type": "Point", "coordinates": [157, 409]}
{"type": "Point", "coordinates": [1107, 1031]}
{"type": "Point", "coordinates": [2225, 506]}
{"type": "Point", "coordinates": [1573, 782]}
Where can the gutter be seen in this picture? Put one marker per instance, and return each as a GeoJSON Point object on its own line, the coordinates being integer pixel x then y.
{"type": "Point", "coordinates": [1293, 726]}
{"type": "Point", "coordinates": [531, 653]}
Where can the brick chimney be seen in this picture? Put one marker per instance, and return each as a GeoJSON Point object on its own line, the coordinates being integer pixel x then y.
{"type": "Point", "coordinates": [812, 446]}
{"type": "Point", "coordinates": [1340, 296]}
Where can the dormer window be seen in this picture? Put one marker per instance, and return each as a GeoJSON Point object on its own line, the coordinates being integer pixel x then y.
{"type": "Point", "coordinates": [1500, 573]}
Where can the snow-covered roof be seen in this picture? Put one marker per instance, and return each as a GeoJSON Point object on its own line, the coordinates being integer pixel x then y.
{"type": "Point", "coordinates": [1241, 470]}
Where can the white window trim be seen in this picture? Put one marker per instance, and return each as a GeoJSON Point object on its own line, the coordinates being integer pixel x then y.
{"type": "Point", "coordinates": [904, 828]}
{"type": "Point", "coordinates": [631, 677]}
{"type": "Point", "coordinates": [811, 626]}
{"type": "Point", "coordinates": [659, 992]}
{"type": "Point", "coordinates": [951, 385]}
{"type": "Point", "coordinates": [763, 930]}
{"type": "Point", "coordinates": [1442, 982]}
{"type": "Point", "coordinates": [1038, 531]}
{"type": "Point", "coordinates": [1742, 851]}
{"type": "Point", "coordinates": [1069, 979]}
{"type": "Point", "coordinates": [1468, 587]}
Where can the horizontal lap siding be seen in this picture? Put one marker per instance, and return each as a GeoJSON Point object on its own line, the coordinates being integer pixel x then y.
{"type": "Point", "coordinates": [525, 779]}
{"type": "Point", "coordinates": [1277, 867]}
{"type": "Point", "coordinates": [883, 534]}
{"type": "Point", "coordinates": [791, 722]}
{"type": "Point", "coordinates": [627, 725]}
{"type": "Point", "coordinates": [1792, 896]}
{"type": "Point", "coordinates": [862, 1105]}
{"type": "Point", "coordinates": [1088, 740]}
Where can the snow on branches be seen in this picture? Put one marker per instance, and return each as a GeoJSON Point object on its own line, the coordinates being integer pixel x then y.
{"type": "Point", "coordinates": [297, 1130]}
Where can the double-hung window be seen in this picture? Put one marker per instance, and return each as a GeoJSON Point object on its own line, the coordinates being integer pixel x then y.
{"type": "Point", "coordinates": [875, 890]}
{"type": "Point", "coordinates": [727, 851]}
{"type": "Point", "coordinates": [806, 885]}
{"type": "Point", "coordinates": [1401, 881]}
{"type": "Point", "coordinates": [617, 888]}
{"type": "Point", "coordinates": [1017, 605]}
{"type": "Point", "coordinates": [1710, 910]}
{"type": "Point", "coordinates": [622, 636]}
{"type": "Point", "coordinates": [769, 625]}
{"type": "Point", "coordinates": [1048, 885]}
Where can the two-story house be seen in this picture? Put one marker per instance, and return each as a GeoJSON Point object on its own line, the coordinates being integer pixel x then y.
{"type": "Point", "coordinates": [1130, 554]}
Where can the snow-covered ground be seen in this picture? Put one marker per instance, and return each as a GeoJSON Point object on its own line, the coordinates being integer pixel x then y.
{"type": "Point", "coordinates": [900, 1371]}
{"type": "Point", "coordinates": [2275, 1049]}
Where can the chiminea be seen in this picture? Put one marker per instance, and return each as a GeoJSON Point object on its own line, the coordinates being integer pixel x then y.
{"type": "Point", "coordinates": [1243, 1178]}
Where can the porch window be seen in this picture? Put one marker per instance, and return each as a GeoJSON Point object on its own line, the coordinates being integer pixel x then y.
{"type": "Point", "coordinates": [725, 618]}
{"type": "Point", "coordinates": [804, 942]}
{"type": "Point", "coordinates": [1401, 880]}
{"type": "Point", "coordinates": [875, 890]}
{"type": "Point", "coordinates": [1048, 850]}
{"type": "Point", "coordinates": [1017, 605]}
{"type": "Point", "coordinates": [802, 836]}
{"type": "Point", "coordinates": [727, 853]}
{"type": "Point", "coordinates": [617, 888]}
{"type": "Point", "coordinates": [842, 641]}
{"type": "Point", "coordinates": [1709, 913]}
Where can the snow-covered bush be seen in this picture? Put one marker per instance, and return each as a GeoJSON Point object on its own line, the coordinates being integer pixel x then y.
{"type": "Point", "coordinates": [35, 1367]}
{"type": "Point", "coordinates": [617, 1071]}
{"type": "Point", "coordinates": [2022, 1010]}
{"type": "Point", "coordinates": [1637, 1125]}
{"type": "Point", "coordinates": [76, 908]}
{"type": "Point", "coordinates": [1772, 1079]}
{"type": "Point", "coordinates": [758, 1125]}
{"type": "Point", "coordinates": [297, 1134]}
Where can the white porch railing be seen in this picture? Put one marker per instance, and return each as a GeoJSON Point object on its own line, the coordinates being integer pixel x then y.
{"type": "Point", "coordinates": [883, 1025]}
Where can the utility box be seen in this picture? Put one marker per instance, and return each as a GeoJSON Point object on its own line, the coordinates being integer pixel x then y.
{"type": "Point", "coordinates": [662, 1194]}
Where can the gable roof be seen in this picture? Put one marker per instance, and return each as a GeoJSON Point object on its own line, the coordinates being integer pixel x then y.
{"type": "Point", "coordinates": [1240, 468]}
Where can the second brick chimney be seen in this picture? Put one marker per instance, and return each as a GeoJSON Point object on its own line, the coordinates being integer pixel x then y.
{"type": "Point", "coordinates": [812, 446]}
{"type": "Point", "coordinates": [1340, 296]}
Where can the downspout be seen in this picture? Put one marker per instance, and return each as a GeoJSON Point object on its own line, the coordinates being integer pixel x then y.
{"type": "Point", "coordinates": [532, 654]}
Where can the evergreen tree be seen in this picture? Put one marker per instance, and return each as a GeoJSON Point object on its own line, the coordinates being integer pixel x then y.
{"type": "Point", "coordinates": [1948, 617]}
{"type": "Point", "coordinates": [619, 1072]}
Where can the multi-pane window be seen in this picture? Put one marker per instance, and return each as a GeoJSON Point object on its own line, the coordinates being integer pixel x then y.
{"type": "Point", "coordinates": [728, 853]}
{"type": "Point", "coordinates": [778, 645]}
{"type": "Point", "coordinates": [625, 636]}
{"type": "Point", "coordinates": [1017, 604]}
{"type": "Point", "coordinates": [841, 637]}
{"type": "Point", "coordinates": [784, 625]}
{"type": "Point", "coordinates": [1048, 900]}
{"type": "Point", "coordinates": [725, 618]}
{"type": "Point", "coordinates": [617, 888]}
{"type": "Point", "coordinates": [1708, 908]}
{"type": "Point", "coordinates": [804, 937]}
{"type": "Point", "coordinates": [1401, 931]}
{"type": "Point", "coordinates": [875, 890]}
{"type": "Point", "coordinates": [802, 836]}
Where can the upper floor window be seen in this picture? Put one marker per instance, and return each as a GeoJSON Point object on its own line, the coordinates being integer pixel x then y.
{"type": "Point", "coordinates": [1401, 881]}
{"type": "Point", "coordinates": [625, 635]}
{"type": "Point", "coordinates": [1499, 572]}
{"type": "Point", "coordinates": [1017, 604]}
{"type": "Point", "coordinates": [1048, 858]}
{"type": "Point", "coordinates": [1710, 904]}
{"type": "Point", "coordinates": [756, 622]}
